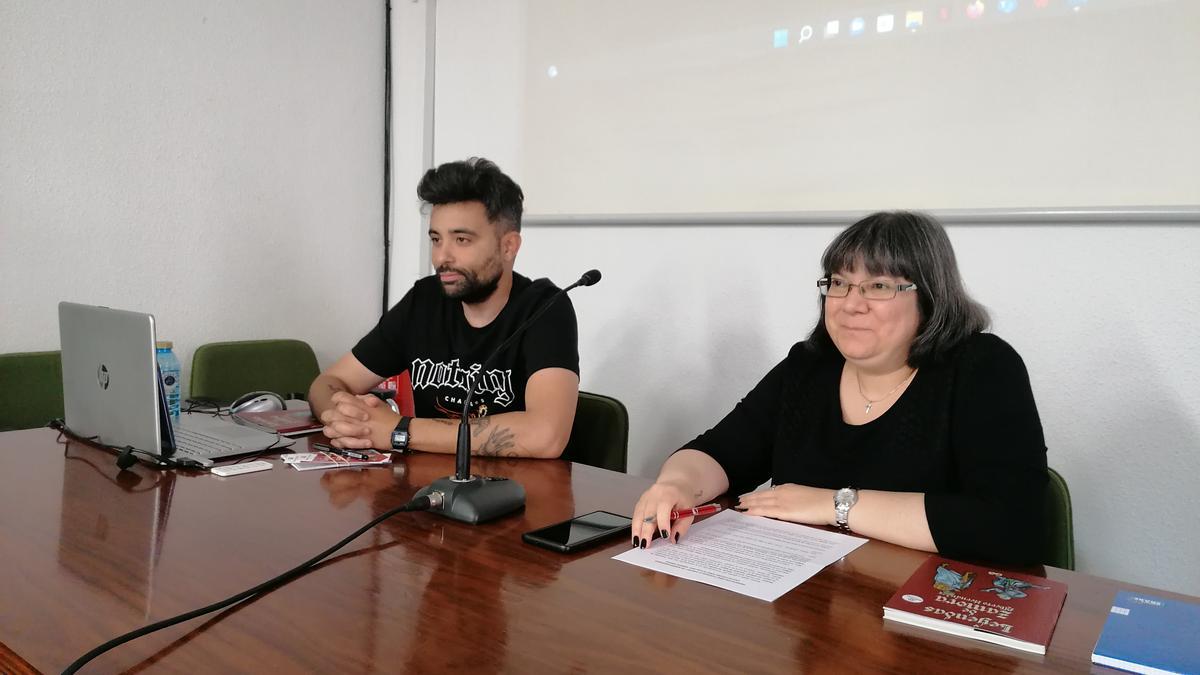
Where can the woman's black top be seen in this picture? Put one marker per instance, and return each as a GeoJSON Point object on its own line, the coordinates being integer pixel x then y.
{"type": "Point", "coordinates": [966, 433]}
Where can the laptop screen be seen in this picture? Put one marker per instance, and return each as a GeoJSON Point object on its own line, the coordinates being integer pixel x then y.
{"type": "Point", "coordinates": [111, 389]}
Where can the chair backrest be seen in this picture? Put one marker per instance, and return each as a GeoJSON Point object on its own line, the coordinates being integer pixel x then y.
{"type": "Point", "coordinates": [1059, 545]}
{"type": "Point", "coordinates": [600, 435]}
{"type": "Point", "coordinates": [30, 389]}
{"type": "Point", "coordinates": [223, 371]}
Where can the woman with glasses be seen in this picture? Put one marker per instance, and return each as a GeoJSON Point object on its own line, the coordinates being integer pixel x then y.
{"type": "Point", "coordinates": [897, 419]}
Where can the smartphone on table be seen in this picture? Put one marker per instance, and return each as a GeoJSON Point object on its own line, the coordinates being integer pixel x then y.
{"type": "Point", "coordinates": [579, 532]}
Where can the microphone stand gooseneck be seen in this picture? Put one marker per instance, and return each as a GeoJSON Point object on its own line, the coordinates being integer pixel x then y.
{"type": "Point", "coordinates": [477, 499]}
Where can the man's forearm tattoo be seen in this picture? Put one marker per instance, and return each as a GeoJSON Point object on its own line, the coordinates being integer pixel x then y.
{"type": "Point", "coordinates": [498, 442]}
{"type": "Point", "coordinates": [501, 442]}
{"type": "Point", "coordinates": [477, 424]}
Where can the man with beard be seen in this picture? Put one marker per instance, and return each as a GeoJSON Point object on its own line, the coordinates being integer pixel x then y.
{"type": "Point", "coordinates": [449, 323]}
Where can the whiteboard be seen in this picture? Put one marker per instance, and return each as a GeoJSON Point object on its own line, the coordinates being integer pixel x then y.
{"type": "Point", "coordinates": [702, 106]}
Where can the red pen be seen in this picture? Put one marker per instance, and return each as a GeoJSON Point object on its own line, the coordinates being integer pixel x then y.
{"type": "Point", "coordinates": [344, 452]}
{"type": "Point", "coordinates": [706, 510]}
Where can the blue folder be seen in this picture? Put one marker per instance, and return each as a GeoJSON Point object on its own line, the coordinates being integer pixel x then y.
{"type": "Point", "coordinates": [1149, 634]}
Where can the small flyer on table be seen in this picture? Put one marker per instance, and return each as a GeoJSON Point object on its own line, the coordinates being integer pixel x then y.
{"type": "Point", "coordinates": [311, 461]}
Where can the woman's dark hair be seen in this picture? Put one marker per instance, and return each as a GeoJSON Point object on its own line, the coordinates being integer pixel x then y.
{"type": "Point", "coordinates": [913, 246]}
{"type": "Point", "coordinates": [475, 180]}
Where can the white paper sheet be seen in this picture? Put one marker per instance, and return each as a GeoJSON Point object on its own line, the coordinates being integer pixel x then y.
{"type": "Point", "coordinates": [751, 555]}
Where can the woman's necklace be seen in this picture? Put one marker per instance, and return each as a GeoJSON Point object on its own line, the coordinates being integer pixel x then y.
{"type": "Point", "coordinates": [858, 379]}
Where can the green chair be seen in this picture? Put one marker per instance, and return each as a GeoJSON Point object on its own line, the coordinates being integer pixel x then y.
{"type": "Point", "coordinates": [32, 393]}
{"type": "Point", "coordinates": [223, 371]}
{"type": "Point", "coordinates": [600, 435]}
{"type": "Point", "coordinates": [1059, 545]}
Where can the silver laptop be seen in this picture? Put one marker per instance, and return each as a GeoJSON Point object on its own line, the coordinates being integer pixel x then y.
{"type": "Point", "coordinates": [112, 391]}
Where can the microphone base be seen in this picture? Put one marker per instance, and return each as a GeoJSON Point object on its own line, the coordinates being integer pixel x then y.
{"type": "Point", "coordinates": [478, 500]}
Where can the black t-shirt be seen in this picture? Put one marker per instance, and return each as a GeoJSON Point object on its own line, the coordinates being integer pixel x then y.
{"type": "Point", "coordinates": [427, 335]}
{"type": "Point", "coordinates": [966, 433]}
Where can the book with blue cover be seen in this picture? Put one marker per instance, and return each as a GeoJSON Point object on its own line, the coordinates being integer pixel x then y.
{"type": "Point", "coordinates": [1149, 634]}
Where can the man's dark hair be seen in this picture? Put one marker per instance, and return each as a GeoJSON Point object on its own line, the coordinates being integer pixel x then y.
{"type": "Point", "coordinates": [913, 246]}
{"type": "Point", "coordinates": [475, 180]}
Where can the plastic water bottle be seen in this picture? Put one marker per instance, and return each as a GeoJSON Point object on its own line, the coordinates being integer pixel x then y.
{"type": "Point", "coordinates": [169, 366]}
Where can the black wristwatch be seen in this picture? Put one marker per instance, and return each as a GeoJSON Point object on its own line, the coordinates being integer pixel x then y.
{"type": "Point", "coordinates": [400, 435]}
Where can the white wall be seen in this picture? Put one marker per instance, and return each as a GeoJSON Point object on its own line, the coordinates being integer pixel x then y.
{"type": "Point", "coordinates": [215, 163]}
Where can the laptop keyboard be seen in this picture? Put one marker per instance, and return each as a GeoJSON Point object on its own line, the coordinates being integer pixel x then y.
{"type": "Point", "coordinates": [201, 445]}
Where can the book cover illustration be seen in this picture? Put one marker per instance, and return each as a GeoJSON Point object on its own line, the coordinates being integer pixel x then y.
{"type": "Point", "coordinates": [1016, 610]}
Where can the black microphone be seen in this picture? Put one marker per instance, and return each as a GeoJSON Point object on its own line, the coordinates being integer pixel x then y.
{"type": "Point", "coordinates": [475, 499]}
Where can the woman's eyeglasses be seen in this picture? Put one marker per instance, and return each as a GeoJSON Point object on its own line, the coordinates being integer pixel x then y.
{"type": "Point", "coordinates": [871, 290]}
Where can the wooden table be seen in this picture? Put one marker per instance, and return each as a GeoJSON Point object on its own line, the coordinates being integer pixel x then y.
{"type": "Point", "coordinates": [89, 553]}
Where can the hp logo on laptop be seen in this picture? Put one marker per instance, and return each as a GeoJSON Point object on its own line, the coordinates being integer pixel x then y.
{"type": "Point", "coordinates": [102, 376]}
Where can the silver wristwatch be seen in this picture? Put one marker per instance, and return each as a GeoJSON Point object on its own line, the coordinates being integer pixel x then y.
{"type": "Point", "coordinates": [842, 501]}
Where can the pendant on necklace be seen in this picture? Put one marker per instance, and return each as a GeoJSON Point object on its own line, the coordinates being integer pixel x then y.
{"type": "Point", "coordinates": [867, 411]}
